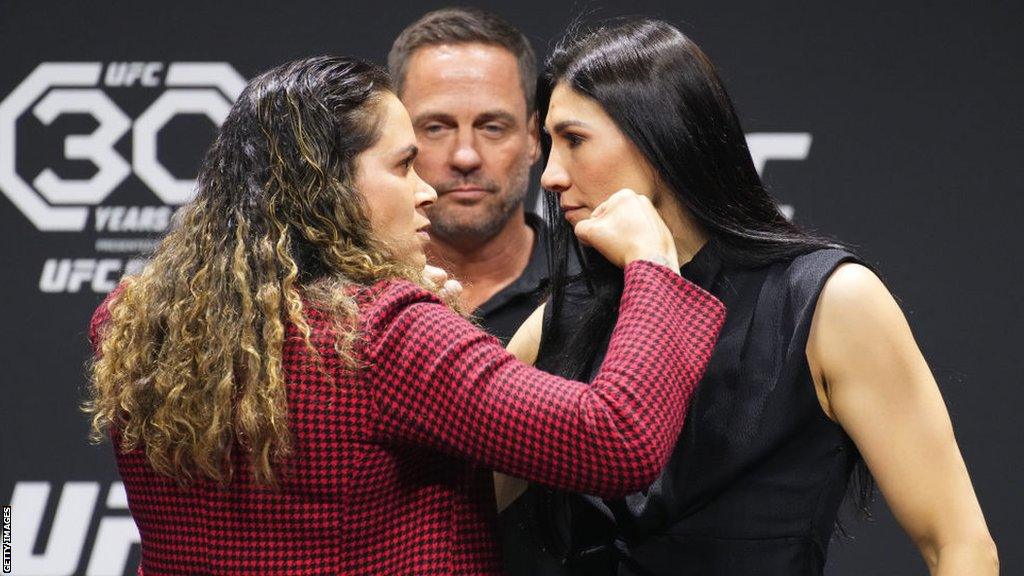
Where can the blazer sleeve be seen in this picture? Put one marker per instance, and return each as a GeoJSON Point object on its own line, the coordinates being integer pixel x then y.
{"type": "Point", "coordinates": [440, 382]}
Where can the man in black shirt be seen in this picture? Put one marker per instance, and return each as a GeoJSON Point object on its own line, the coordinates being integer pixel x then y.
{"type": "Point", "coordinates": [467, 78]}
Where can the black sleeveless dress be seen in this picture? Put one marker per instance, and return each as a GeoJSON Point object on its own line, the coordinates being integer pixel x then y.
{"type": "Point", "coordinates": [758, 473]}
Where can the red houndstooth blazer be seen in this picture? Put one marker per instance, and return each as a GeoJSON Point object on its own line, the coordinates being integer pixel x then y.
{"type": "Point", "coordinates": [391, 472]}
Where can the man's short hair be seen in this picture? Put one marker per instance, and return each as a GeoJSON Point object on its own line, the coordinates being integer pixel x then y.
{"type": "Point", "coordinates": [461, 26]}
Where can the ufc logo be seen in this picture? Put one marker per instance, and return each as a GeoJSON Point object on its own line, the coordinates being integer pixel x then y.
{"type": "Point", "coordinates": [53, 89]}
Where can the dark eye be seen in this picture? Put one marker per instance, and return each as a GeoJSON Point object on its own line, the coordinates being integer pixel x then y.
{"type": "Point", "coordinates": [432, 129]}
{"type": "Point", "coordinates": [407, 163]}
{"type": "Point", "coordinates": [573, 140]}
{"type": "Point", "coordinates": [494, 129]}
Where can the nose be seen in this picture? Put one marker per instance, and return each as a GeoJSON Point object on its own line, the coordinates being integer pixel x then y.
{"type": "Point", "coordinates": [465, 158]}
{"type": "Point", "coordinates": [554, 177]}
{"type": "Point", "coordinates": [425, 194]}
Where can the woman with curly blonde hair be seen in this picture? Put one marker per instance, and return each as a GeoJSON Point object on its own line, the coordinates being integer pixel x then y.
{"type": "Point", "coordinates": [287, 393]}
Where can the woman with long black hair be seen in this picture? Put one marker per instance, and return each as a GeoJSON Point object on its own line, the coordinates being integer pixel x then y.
{"type": "Point", "coordinates": [816, 374]}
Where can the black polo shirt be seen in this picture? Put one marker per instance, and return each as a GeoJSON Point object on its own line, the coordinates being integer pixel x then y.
{"type": "Point", "coordinates": [504, 312]}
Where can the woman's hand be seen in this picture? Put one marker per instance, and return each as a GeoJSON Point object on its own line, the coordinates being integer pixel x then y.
{"type": "Point", "coordinates": [626, 227]}
{"type": "Point", "coordinates": [449, 288]}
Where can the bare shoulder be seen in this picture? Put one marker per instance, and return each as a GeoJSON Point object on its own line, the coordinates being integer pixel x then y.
{"type": "Point", "coordinates": [854, 297]}
{"type": "Point", "coordinates": [858, 332]}
{"type": "Point", "coordinates": [860, 340]}
{"type": "Point", "coordinates": [854, 302]}
{"type": "Point", "coordinates": [852, 283]}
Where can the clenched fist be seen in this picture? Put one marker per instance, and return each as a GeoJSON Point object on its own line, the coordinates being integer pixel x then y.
{"type": "Point", "coordinates": [626, 227]}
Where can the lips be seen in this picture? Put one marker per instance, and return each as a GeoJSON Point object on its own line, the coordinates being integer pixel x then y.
{"type": "Point", "coordinates": [572, 213]}
{"type": "Point", "coordinates": [466, 194]}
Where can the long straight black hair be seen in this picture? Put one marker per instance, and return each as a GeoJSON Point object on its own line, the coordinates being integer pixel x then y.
{"type": "Point", "coordinates": [664, 94]}
{"type": "Point", "coordinates": [666, 97]}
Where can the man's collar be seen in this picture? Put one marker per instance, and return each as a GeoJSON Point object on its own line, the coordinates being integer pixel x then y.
{"type": "Point", "coordinates": [534, 276]}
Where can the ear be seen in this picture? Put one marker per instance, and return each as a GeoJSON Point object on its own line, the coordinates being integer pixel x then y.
{"type": "Point", "coordinates": [533, 133]}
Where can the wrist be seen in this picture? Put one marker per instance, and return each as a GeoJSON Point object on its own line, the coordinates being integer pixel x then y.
{"type": "Point", "coordinates": [657, 258]}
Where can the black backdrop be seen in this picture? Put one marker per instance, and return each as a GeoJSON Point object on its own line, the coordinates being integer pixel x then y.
{"type": "Point", "coordinates": [902, 125]}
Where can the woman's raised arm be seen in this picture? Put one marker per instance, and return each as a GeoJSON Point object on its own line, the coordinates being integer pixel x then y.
{"type": "Point", "coordinates": [440, 382]}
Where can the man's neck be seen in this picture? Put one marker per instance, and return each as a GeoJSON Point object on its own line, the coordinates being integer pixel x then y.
{"type": "Point", "coordinates": [485, 267]}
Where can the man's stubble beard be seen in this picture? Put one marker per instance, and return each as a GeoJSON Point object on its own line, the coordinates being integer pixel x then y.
{"type": "Point", "coordinates": [459, 231]}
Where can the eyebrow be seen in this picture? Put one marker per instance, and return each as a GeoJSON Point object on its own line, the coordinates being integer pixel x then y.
{"type": "Point", "coordinates": [410, 150]}
{"type": "Point", "coordinates": [492, 115]}
{"type": "Point", "coordinates": [564, 124]}
{"type": "Point", "coordinates": [486, 116]}
{"type": "Point", "coordinates": [436, 116]}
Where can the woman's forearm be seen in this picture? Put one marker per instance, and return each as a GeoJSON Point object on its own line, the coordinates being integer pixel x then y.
{"type": "Point", "coordinates": [439, 382]}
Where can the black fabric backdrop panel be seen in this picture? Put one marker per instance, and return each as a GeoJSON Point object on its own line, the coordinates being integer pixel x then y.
{"type": "Point", "coordinates": [895, 128]}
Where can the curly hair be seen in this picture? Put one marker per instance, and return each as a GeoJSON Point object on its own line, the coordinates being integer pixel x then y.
{"type": "Point", "coordinates": [189, 367]}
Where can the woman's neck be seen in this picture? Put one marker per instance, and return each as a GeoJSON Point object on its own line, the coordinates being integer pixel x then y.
{"type": "Point", "coordinates": [688, 234]}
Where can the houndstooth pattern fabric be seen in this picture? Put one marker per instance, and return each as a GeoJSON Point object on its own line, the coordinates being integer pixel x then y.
{"type": "Point", "coordinates": [391, 465]}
